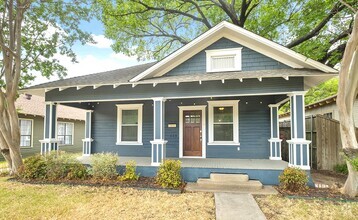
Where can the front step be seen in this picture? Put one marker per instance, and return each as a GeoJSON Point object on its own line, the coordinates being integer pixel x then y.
{"type": "Point", "coordinates": [248, 185]}
{"type": "Point", "coordinates": [229, 177]}
{"type": "Point", "coordinates": [194, 187]}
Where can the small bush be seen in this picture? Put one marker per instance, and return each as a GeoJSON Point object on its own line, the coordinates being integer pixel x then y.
{"type": "Point", "coordinates": [293, 180]}
{"type": "Point", "coordinates": [104, 166]}
{"type": "Point", "coordinates": [168, 175]}
{"type": "Point", "coordinates": [77, 171]}
{"type": "Point", "coordinates": [130, 172]}
{"type": "Point", "coordinates": [354, 163]}
{"type": "Point", "coordinates": [34, 168]}
{"type": "Point", "coordinates": [341, 168]}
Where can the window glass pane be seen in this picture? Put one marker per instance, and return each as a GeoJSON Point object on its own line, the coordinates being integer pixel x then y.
{"type": "Point", "coordinates": [61, 139]}
{"type": "Point", "coordinates": [25, 127]}
{"type": "Point", "coordinates": [69, 128]}
{"type": "Point", "coordinates": [129, 133]}
{"type": "Point", "coordinates": [223, 114]}
{"type": "Point", "coordinates": [61, 129]}
{"type": "Point", "coordinates": [223, 132]}
{"type": "Point", "coordinates": [68, 140]}
{"type": "Point", "coordinates": [130, 117]}
{"type": "Point", "coordinates": [25, 141]}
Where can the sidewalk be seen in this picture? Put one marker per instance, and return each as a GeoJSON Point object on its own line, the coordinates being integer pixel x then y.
{"type": "Point", "coordinates": [237, 206]}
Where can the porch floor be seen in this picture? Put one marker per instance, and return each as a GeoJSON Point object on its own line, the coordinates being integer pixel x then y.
{"type": "Point", "coordinates": [254, 164]}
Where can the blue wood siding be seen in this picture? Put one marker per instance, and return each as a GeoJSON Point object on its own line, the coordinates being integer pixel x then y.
{"type": "Point", "coordinates": [207, 89]}
{"type": "Point", "coordinates": [254, 128]}
{"type": "Point", "coordinates": [251, 60]}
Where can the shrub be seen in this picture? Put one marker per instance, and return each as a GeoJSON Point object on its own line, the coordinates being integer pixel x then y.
{"type": "Point", "coordinates": [354, 163]}
{"type": "Point", "coordinates": [104, 166]}
{"type": "Point", "coordinates": [64, 166]}
{"type": "Point", "coordinates": [341, 168]}
{"type": "Point", "coordinates": [34, 167]}
{"type": "Point", "coordinates": [169, 174]}
{"type": "Point", "coordinates": [293, 180]}
{"type": "Point", "coordinates": [130, 172]}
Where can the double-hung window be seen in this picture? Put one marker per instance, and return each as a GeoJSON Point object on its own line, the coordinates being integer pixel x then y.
{"type": "Point", "coordinates": [65, 133]}
{"type": "Point", "coordinates": [25, 132]}
{"type": "Point", "coordinates": [223, 122]}
{"type": "Point", "coordinates": [129, 124]}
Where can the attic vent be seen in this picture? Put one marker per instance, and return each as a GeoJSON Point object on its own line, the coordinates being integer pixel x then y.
{"type": "Point", "coordinates": [223, 60]}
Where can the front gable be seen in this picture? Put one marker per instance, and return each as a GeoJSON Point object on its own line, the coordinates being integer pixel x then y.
{"type": "Point", "coordinates": [250, 60]}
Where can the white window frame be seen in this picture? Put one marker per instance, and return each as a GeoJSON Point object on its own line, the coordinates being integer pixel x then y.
{"type": "Point", "coordinates": [236, 52]}
{"type": "Point", "coordinates": [120, 108]}
{"type": "Point", "coordinates": [224, 103]}
{"type": "Point", "coordinates": [32, 132]}
{"type": "Point", "coordinates": [73, 133]}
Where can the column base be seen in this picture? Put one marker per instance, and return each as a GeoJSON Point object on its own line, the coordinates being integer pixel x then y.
{"type": "Point", "coordinates": [158, 151]}
{"type": "Point", "coordinates": [48, 145]}
{"type": "Point", "coordinates": [87, 146]}
{"type": "Point", "coordinates": [298, 153]}
{"type": "Point", "coordinates": [275, 149]}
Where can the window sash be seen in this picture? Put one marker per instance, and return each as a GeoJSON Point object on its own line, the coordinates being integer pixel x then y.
{"type": "Point", "coordinates": [65, 133]}
{"type": "Point", "coordinates": [126, 135]}
{"type": "Point", "coordinates": [25, 132]}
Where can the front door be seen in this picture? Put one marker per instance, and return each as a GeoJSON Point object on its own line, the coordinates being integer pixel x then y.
{"type": "Point", "coordinates": [192, 134]}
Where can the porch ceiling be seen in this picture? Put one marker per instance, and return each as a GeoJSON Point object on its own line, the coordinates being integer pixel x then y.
{"type": "Point", "coordinates": [254, 164]}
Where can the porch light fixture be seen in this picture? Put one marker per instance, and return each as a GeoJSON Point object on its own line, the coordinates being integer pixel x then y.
{"type": "Point", "coordinates": [221, 108]}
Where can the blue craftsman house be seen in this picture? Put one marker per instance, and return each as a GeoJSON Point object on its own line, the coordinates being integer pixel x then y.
{"type": "Point", "coordinates": [213, 104]}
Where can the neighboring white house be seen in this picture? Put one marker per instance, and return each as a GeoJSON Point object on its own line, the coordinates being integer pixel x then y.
{"type": "Point", "coordinates": [326, 107]}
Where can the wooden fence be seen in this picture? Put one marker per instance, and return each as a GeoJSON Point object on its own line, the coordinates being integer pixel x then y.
{"type": "Point", "coordinates": [326, 146]}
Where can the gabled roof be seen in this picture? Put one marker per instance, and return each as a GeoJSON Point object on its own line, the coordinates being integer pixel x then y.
{"type": "Point", "coordinates": [35, 105]}
{"type": "Point", "coordinates": [241, 36]}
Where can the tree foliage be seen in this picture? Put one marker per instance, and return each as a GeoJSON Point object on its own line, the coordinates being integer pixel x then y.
{"type": "Point", "coordinates": [32, 33]}
{"type": "Point", "coordinates": [153, 29]}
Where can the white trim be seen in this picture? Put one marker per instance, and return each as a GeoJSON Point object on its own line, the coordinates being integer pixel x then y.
{"type": "Point", "coordinates": [235, 52]}
{"type": "Point", "coordinates": [121, 107]}
{"type": "Point", "coordinates": [239, 35]}
{"type": "Point", "coordinates": [32, 132]}
{"type": "Point", "coordinates": [203, 129]}
{"type": "Point", "coordinates": [174, 97]}
{"type": "Point", "coordinates": [73, 133]}
{"type": "Point", "coordinates": [230, 103]}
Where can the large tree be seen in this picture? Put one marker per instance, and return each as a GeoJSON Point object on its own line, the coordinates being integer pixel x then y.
{"type": "Point", "coordinates": [32, 34]}
{"type": "Point", "coordinates": [347, 93]}
{"type": "Point", "coordinates": [152, 29]}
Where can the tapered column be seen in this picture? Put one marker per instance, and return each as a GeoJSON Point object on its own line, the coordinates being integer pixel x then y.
{"type": "Point", "coordinates": [298, 145]}
{"type": "Point", "coordinates": [87, 141]}
{"type": "Point", "coordinates": [50, 143]}
{"type": "Point", "coordinates": [158, 143]}
{"type": "Point", "coordinates": [275, 141]}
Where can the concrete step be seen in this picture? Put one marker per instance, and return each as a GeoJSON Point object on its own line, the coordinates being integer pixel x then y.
{"type": "Point", "coordinates": [229, 177]}
{"type": "Point", "coordinates": [194, 187]}
{"type": "Point", "coordinates": [251, 184]}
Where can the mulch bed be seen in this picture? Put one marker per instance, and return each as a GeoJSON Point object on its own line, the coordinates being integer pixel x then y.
{"type": "Point", "coordinates": [147, 183]}
{"type": "Point", "coordinates": [317, 193]}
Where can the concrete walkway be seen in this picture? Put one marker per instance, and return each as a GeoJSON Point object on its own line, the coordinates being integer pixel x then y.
{"type": "Point", "coordinates": [237, 206]}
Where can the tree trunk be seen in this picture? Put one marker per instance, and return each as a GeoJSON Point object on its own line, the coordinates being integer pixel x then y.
{"type": "Point", "coordinates": [351, 186]}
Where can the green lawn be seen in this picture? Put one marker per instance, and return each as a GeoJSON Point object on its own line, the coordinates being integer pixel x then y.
{"type": "Point", "coordinates": [25, 201]}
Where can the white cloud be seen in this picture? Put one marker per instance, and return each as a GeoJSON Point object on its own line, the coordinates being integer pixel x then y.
{"type": "Point", "coordinates": [101, 42]}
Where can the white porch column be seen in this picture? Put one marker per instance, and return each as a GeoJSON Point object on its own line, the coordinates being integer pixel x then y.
{"type": "Point", "coordinates": [158, 143]}
{"type": "Point", "coordinates": [87, 141]}
{"type": "Point", "coordinates": [298, 145]}
{"type": "Point", "coordinates": [275, 141]}
{"type": "Point", "coordinates": [50, 143]}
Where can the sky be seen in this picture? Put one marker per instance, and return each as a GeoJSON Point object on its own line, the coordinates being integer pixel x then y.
{"type": "Point", "coordinates": [92, 58]}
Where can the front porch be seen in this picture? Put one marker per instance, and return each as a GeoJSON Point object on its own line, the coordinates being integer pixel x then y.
{"type": "Point", "coordinates": [265, 170]}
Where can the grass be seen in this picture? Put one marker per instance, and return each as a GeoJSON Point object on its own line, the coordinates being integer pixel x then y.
{"type": "Point", "coordinates": [25, 201]}
{"type": "Point", "coordinates": [276, 207]}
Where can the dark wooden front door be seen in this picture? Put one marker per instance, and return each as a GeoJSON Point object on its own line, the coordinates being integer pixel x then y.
{"type": "Point", "coordinates": [192, 135]}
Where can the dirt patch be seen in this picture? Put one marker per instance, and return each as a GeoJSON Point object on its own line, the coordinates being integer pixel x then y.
{"type": "Point", "coordinates": [142, 183]}
{"type": "Point", "coordinates": [328, 178]}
